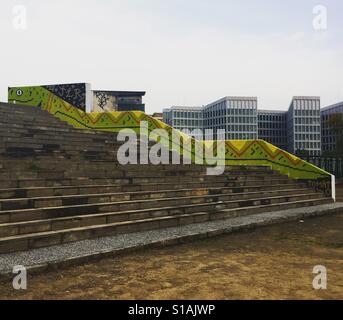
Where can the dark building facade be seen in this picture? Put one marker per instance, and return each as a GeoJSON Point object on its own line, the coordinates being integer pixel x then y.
{"type": "Point", "coordinates": [332, 131]}
{"type": "Point", "coordinates": [272, 127]}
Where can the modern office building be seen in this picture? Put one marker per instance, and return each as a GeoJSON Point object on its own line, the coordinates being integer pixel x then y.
{"type": "Point", "coordinates": [332, 132]}
{"type": "Point", "coordinates": [304, 127]}
{"type": "Point", "coordinates": [296, 130]}
{"type": "Point", "coordinates": [235, 116]}
{"type": "Point", "coordinates": [188, 119]}
{"type": "Point", "coordinates": [272, 127]}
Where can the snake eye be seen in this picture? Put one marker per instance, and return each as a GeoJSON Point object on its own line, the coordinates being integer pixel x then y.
{"type": "Point", "coordinates": [19, 92]}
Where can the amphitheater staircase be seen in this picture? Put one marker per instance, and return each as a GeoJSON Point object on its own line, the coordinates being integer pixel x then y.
{"type": "Point", "coordinates": [59, 184]}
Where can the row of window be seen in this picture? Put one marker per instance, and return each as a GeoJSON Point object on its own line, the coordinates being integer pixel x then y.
{"type": "Point", "coordinates": [274, 117]}
{"type": "Point", "coordinates": [306, 120]}
{"type": "Point", "coordinates": [242, 120]}
{"type": "Point", "coordinates": [307, 113]}
{"type": "Point", "coordinates": [229, 129]}
{"type": "Point", "coordinates": [329, 147]}
{"type": "Point", "coordinates": [231, 112]}
{"type": "Point", "coordinates": [329, 140]}
{"type": "Point", "coordinates": [187, 123]}
{"type": "Point", "coordinates": [262, 133]}
{"type": "Point", "coordinates": [242, 128]}
{"type": "Point", "coordinates": [307, 128]}
{"type": "Point", "coordinates": [241, 136]}
{"type": "Point", "coordinates": [307, 137]}
{"type": "Point", "coordinates": [307, 145]}
{"type": "Point", "coordinates": [235, 104]}
{"type": "Point", "coordinates": [272, 125]}
{"type": "Point", "coordinates": [312, 152]}
{"type": "Point", "coordinates": [326, 132]}
{"type": "Point", "coordinates": [187, 114]}
{"type": "Point", "coordinates": [306, 104]}
{"type": "Point", "coordinates": [272, 133]}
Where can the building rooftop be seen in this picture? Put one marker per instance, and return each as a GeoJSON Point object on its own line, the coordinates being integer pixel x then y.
{"type": "Point", "coordinates": [230, 98]}
{"type": "Point", "coordinates": [332, 106]}
{"type": "Point", "coordinates": [185, 108]}
{"type": "Point", "coordinates": [306, 97]}
{"type": "Point", "coordinates": [122, 93]}
{"type": "Point", "coordinates": [271, 111]}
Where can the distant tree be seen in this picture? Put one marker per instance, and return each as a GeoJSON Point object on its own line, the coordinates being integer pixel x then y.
{"type": "Point", "coordinates": [335, 123]}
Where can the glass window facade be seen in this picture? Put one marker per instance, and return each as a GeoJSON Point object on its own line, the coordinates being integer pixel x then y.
{"type": "Point", "coordinates": [185, 119]}
{"type": "Point", "coordinates": [304, 126]}
{"type": "Point", "coordinates": [272, 127]}
{"type": "Point", "coordinates": [236, 117]}
{"type": "Point", "coordinates": [304, 129]}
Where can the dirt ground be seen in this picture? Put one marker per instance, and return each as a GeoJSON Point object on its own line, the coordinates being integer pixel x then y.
{"type": "Point", "coordinates": [275, 262]}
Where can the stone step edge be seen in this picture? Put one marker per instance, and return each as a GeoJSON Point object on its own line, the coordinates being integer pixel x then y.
{"type": "Point", "coordinates": [78, 196]}
{"type": "Point", "coordinates": [144, 184]}
{"type": "Point", "coordinates": [68, 207]}
{"type": "Point", "coordinates": [114, 185]}
{"type": "Point", "coordinates": [275, 217]}
{"type": "Point", "coordinates": [128, 212]}
{"type": "Point", "coordinates": [37, 235]}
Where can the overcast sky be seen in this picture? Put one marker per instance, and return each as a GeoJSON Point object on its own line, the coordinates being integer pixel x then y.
{"type": "Point", "coordinates": [182, 52]}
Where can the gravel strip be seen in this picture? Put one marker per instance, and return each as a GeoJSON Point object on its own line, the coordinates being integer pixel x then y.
{"type": "Point", "coordinates": [80, 251]}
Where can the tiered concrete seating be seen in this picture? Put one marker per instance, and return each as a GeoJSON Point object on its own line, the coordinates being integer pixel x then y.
{"type": "Point", "coordinates": [59, 184]}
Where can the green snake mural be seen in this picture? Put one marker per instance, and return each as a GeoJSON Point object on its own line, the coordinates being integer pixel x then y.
{"type": "Point", "coordinates": [237, 152]}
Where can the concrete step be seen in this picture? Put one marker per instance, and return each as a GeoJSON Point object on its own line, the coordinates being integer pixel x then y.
{"type": "Point", "coordinates": [24, 120]}
{"type": "Point", "coordinates": [35, 152]}
{"type": "Point", "coordinates": [41, 202]}
{"type": "Point", "coordinates": [162, 206]}
{"type": "Point", "coordinates": [41, 192]}
{"type": "Point", "coordinates": [77, 172]}
{"type": "Point", "coordinates": [14, 108]}
{"type": "Point", "coordinates": [142, 183]}
{"type": "Point", "coordinates": [24, 115]}
{"type": "Point", "coordinates": [49, 238]}
{"type": "Point", "coordinates": [59, 223]}
{"type": "Point", "coordinates": [131, 176]}
{"type": "Point", "coordinates": [52, 164]}
{"type": "Point", "coordinates": [39, 146]}
{"type": "Point", "coordinates": [63, 139]}
{"type": "Point", "coordinates": [51, 127]}
{"type": "Point", "coordinates": [51, 131]}
{"type": "Point", "coordinates": [31, 128]}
